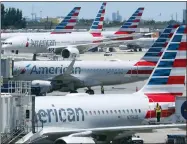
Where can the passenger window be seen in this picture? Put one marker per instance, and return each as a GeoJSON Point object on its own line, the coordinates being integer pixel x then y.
{"type": "Point", "coordinates": [90, 112]}
{"type": "Point", "coordinates": [139, 111]}
{"type": "Point", "coordinates": [99, 112]}
{"type": "Point", "coordinates": [115, 111]}
{"type": "Point", "coordinates": [131, 110]}
{"type": "Point", "coordinates": [135, 110]}
{"type": "Point", "coordinates": [119, 111]}
{"type": "Point", "coordinates": [111, 111]}
{"type": "Point", "coordinates": [86, 112]}
{"type": "Point", "coordinates": [106, 111]}
{"type": "Point", "coordinates": [127, 111]}
{"type": "Point", "coordinates": [94, 112]}
{"type": "Point", "coordinates": [123, 111]}
{"type": "Point", "coordinates": [103, 112]}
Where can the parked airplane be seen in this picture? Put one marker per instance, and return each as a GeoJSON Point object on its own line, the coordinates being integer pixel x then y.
{"type": "Point", "coordinates": [80, 118]}
{"type": "Point", "coordinates": [69, 76]}
{"type": "Point", "coordinates": [69, 45]}
{"type": "Point", "coordinates": [65, 26]}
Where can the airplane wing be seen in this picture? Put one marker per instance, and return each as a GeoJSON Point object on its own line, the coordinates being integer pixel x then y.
{"type": "Point", "coordinates": [103, 42]}
{"type": "Point", "coordinates": [48, 131]}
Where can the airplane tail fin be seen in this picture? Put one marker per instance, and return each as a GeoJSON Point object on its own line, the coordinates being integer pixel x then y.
{"type": "Point", "coordinates": [97, 24]}
{"type": "Point", "coordinates": [154, 53]}
{"type": "Point", "coordinates": [131, 24]}
{"type": "Point", "coordinates": [68, 23]}
{"type": "Point", "coordinates": [168, 77]}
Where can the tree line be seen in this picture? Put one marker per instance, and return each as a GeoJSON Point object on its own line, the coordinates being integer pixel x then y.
{"type": "Point", "coordinates": [12, 18]}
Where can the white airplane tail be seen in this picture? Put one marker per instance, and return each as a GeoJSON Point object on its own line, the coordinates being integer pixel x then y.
{"type": "Point", "coordinates": [168, 77]}
{"type": "Point", "coordinates": [97, 24]}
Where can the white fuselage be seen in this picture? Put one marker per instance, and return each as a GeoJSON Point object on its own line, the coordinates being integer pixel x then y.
{"type": "Point", "coordinates": [91, 73]}
{"type": "Point", "coordinates": [84, 111]}
{"type": "Point", "coordinates": [39, 44]}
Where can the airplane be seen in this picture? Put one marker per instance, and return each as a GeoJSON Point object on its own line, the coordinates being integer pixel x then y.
{"type": "Point", "coordinates": [69, 76]}
{"type": "Point", "coordinates": [65, 26]}
{"type": "Point", "coordinates": [83, 118]}
{"type": "Point", "coordinates": [68, 45]}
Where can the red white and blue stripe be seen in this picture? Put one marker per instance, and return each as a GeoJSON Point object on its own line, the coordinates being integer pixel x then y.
{"type": "Point", "coordinates": [131, 24]}
{"type": "Point", "coordinates": [154, 53]}
{"type": "Point", "coordinates": [97, 24]}
{"type": "Point", "coordinates": [68, 23]}
{"type": "Point", "coordinates": [168, 77]}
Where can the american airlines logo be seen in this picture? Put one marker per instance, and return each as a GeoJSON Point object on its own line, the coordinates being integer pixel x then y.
{"type": "Point", "coordinates": [25, 69]}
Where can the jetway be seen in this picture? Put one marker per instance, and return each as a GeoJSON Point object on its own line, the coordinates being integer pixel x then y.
{"type": "Point", "coordinates": [7, 65]}
{"type": "Point", "coordinates": [16, 110]}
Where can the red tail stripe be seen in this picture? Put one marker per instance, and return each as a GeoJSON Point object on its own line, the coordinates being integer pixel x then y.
{"type": "Point", "coordinates": [96, 34]}
{"type": "Point", "coordinates": [137, 20]}
{"type": "Point", "coordinates": [170, 35]}
{"type": "Point", "coordinates": [145, 63]}
{"type": "Point", "coordinates": [75, 14]}
{"type": "Point", "coordinates": [102, 18]}
{"type": "Point", "coordinates": [140, 14]}
{"type": "Point", "coordinates": [100, 27]}
{"type": "Point", "coordinates": [164, 113]}
{"type": "Point", "coordinates": [176, 80]}
{"type": "Point", "coordinates": [123, 32]}
{"type": "Point", "coordinates": [103, 11]}
{"type": "Point", "coordinates": [139, 72]}
{"type": "Point", "coordinates": [160, 98]}
{"type": "Point", "coordinates": [180, 63]}
{"type": "Point", "coordinates": [183, 46]}
{"type": "Point", "coordinates": [69, 27]}
{"type": "Point", "coordinates": [134, 26]}
{"type": "Point", "coordinates": [72, 20]}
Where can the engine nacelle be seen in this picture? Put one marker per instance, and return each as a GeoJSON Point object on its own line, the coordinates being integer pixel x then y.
{"type": "Point", "coordinates": [74, 140]}
{"type": "Point", "coordinates": [44, 87]}
{"type": "Point", "coordinates": [70, 52]}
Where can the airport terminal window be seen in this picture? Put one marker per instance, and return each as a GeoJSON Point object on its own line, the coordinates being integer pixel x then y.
{"type": "Point", "coordinates": [139, 111]}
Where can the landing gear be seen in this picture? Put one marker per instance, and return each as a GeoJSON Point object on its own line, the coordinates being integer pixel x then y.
{"type": "Point", "coordinates": [140, 49]}
{"type": "Point", "coordinates": [90, 91]}
{"type": "Point", "coordinates": [34, 57]}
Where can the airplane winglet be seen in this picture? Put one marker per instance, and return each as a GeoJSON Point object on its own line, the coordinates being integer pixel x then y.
{"type": "Point", "coordinates": [70, 68]}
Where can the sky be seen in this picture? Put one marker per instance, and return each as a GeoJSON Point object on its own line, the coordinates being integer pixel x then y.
{"type": "Point", "coordinates": [90, 9]}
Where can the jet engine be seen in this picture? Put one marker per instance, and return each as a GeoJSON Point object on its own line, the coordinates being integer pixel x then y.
{"type": "Point", "coordinates": [74, 140]}
{"type": "Point", "coordinates": [70, 52]}
{"type": "Point", "coordinates": [41, 87]}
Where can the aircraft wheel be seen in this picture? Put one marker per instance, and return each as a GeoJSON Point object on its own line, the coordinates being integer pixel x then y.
{"type": "Point", "coordinates": [140, 49]}
{"type": "Point", "coordinates": [91, 92]}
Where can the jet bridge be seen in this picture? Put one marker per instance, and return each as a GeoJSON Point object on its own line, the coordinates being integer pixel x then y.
{"type": "Point", "coordinates": [15, 112]}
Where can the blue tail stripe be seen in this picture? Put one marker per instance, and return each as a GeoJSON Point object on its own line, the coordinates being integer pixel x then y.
{"type": "Point", "coordinates": [169, 55]}
{"type": "Point", "coordinates": [161, 40]}
{"type": "Point", "coordinates": [158, 45]}
{"type": "Point", "coordinates": [158, 81]}
{"type": "Point", "coordinates": [173, 46]}
{"type": "Point", "coordinates": [155, 50]}
{"type": "Point", "coordinates": [156, 54]}
{"type": "Point", "coordinates": [165, 64]}
{"type": "Point", "coordinates": [164, 36]}
{"type": "Point", "coordinates": [162, 72]}
{"type": "Point", "coordinates": [181, 30]}
{"type": "Point", "coordinates": [167, 31]}
{"type": "Point", "coordinates": [177, 38]}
